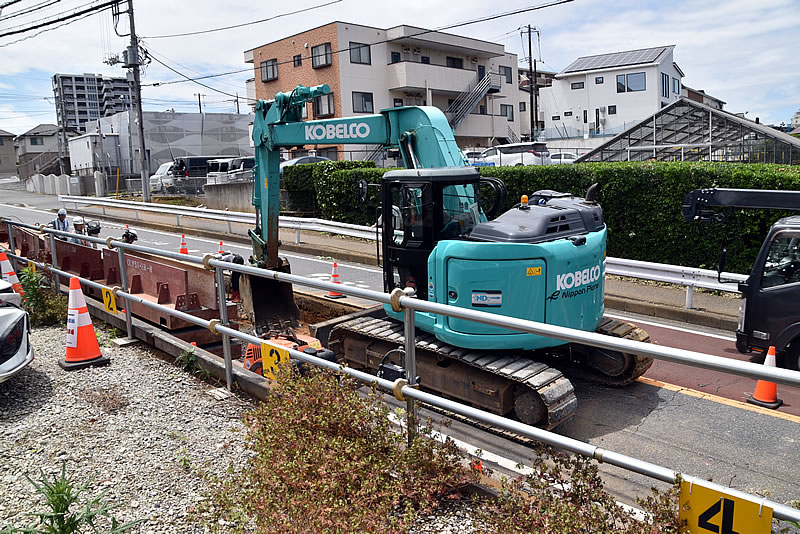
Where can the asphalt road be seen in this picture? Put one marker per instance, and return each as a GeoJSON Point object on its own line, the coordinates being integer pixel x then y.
{"type": "Point", "coordinates": [718, 438]}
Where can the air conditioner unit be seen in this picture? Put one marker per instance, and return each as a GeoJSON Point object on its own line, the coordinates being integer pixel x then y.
{"type": "Point", "coordinates": [602, 120]}
{"type": "Point", "coordinates": [417, 51]}
{"type": "Point", "coordinates": [406, 49]}
{"type": "Point", "coordinates": [602, 109]}
{"type": "Point", "coordinates": [474, 59]}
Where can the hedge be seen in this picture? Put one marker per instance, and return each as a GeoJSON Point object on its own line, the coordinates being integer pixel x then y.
{"type": "Point", "coordinates": [642, 204]}
{"type": "Point", "coordinates": [309, 188]}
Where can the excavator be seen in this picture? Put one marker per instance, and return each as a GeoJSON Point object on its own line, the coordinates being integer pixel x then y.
{"type": "Point", "coordinates": [768, 313]}
{"type": "Point", "coordinates": [542, 260]}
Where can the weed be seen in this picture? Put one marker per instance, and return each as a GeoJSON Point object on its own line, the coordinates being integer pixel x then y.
{"type": "Point", "coordinates": [110, 400]}
{"type": "Point", "coordinates": [60, 495]}
{"type": "Point", "coordinates": [327, 459]}
{"type": "Point", "coordinates": [183, 458]}
{"type": "Point", "coordinates": [187, 360]}
{"type": "Point", "coordinates": [44, 306]}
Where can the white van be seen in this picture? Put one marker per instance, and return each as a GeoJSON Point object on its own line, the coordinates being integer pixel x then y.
{"type": "Point", "coordinates": [517, 154]}
{"type": "Point", "coordinates": [162, 181]}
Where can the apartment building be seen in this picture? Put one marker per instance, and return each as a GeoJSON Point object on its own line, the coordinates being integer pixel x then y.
{"type": "Point", "coordinates": [602, 95]}
{"type": "Point", "coordinates": [81, 98]}
{"type": "Point", "coordinates": [8, 154]}
{"type": "Point", "coordinates": [368, 69]}
{"type": "Point", "coordinates": [38, 150]}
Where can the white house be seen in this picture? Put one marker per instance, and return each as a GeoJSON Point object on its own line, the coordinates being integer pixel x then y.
{"type": "Point", "coordinates": [604, 94]}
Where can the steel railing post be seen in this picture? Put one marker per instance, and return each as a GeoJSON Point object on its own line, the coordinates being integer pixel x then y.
{"type": "Point", "coordinates": [123, 276]}
{"type": "Point", "coordinates": [689, 297]}
{"type": "Point", "coordinates": [12, 246]}
{"type": "Point", "coordinates": [411, 367]}
{"type": "Point", "coordinates": [297, 236]}
{"type": "Point", "coordinates": [54, 262]}
{"type": "Point", "coordinates": [223, 319]}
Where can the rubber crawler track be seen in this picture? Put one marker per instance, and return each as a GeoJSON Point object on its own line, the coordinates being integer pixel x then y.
{"type": "Point", "coordinates": [623, 330]}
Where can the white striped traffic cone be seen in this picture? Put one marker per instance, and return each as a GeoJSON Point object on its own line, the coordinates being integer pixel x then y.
{"type": "Point", "coordinates": [221, 250]}
{"type": "Point", "coordinates": [9, 275]}
{"type": "Point", "coordinates": [335, 279]}
{"type": "Point", "coordinates": [82, 347]}
{"type": "Point", "coordinates": [184, 249]}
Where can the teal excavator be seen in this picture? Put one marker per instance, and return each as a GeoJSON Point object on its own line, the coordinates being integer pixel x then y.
{"type": "Point", "coordinates": [541, 260]}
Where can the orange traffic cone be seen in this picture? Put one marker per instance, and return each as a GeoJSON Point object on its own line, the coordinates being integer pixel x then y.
{"type": "Point", "coordinates": [183, 249]}
{"type": "Point", "coordinates": [9, 275]}
{"type": "Point", "coordinates": [335, 279]}
{"type": "Point", "coordinates": [766, 393]}
{"type": "Point", "coordinates": [221, 250]}
{"type": "Point", "coordinates": [82, 347]}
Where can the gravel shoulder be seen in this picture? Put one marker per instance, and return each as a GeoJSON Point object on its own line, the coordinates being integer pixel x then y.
{"type": "Point", "coordinates": [141, 427]}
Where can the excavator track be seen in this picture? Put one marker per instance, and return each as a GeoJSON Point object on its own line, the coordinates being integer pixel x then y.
{"type": "Point", "coordinates": [623, 330]}
{"type": "Point", "coordinates": [541, 394]}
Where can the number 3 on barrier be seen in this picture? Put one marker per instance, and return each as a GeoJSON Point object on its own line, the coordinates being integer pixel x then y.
{"type": "Point", "coordinates": [271, 359]}
{"type": "Point", "coordinates": [109, 301]}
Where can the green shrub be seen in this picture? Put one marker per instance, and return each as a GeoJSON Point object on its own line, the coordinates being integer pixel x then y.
{"type": "Point", "coordinates": [335, 192]}
{"type": "Point", "coordinates": [342, 203]}
{"type": "Point", "coordinates": [324, 458]}
{"type": "Point", "coordinates": [298, 181]}
{"type": "Point", "coordinates": [43, 305]}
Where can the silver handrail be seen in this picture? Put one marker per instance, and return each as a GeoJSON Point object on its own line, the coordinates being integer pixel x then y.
{"type": "Point", "coordinates": [404, 301]}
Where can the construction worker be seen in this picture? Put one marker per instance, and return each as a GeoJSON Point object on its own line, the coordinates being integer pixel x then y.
{"type": "Point", "coordinates": [79, 227]}
{"type": "Point", "coordinates": [230, 257]}
{"type": "Point", "coordinates": [61, 222]}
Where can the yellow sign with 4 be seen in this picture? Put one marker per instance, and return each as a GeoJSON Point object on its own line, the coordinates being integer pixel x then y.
{"type": "Point", "coordinates": [109, 301]}
{"type": "Point", "coordinates": [271, 358]}
{"type": "Point", "coordinates": [706, 510]}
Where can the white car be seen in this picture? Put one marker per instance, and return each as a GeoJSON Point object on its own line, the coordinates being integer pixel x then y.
{"type": "Point", "coordinates": [472, 155]}
{"type": "Point", "coordinates": [563, 158]}
{"type": "Point", "coordinates": [517, 154]}
{"type": "Point", "coordinates": [16, 351]}
{"type": "Point", "coordinates": [162, 181]}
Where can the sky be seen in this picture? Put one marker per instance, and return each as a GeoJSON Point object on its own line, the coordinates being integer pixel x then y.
{"type": "Point", "coordinates": [741, 51]}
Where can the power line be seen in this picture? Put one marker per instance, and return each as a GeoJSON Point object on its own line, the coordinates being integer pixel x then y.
{"type": "Point", "coordinates": [51, 16]}
{"type": "Point", "coordinates": [241, 25]}
{"type": "Point", "coordinates": [47, 29]}
{"type": "Point", "coordinates": [190, 79]}
{"type": "Point", "coordinates": [288, 61]}
{"type": "Point", "coordinates": [86, 12]}
{"type": "Point", "coordinates": [28, 10]}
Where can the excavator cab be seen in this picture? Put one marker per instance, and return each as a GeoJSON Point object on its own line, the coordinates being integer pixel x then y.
{"type": "Point", "coordinates": [424, 207]}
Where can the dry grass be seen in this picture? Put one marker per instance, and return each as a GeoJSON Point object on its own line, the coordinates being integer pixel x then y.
{"type": "Point", "coordinates": [109, 400]}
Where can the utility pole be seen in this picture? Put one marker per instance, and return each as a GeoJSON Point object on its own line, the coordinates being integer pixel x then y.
{"type": "Point", "coordinates": [199, 104]}
{"type": "Point", "coordinates": [237, 102]}
{"type": "Point", "coordinates": [531, 88]}
{"type": "Point", "coordinates": [133, 63]}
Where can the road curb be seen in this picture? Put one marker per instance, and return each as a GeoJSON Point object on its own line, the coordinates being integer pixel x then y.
{"type": "Point", "coordinates": [621, 303]}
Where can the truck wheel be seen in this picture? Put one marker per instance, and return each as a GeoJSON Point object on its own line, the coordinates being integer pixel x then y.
{"type": "Point", "coordinates": [791, 356]}
{"type": "Point", "coordinates": [171, 190]}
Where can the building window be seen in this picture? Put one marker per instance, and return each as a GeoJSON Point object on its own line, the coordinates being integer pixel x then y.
{"type": "Point", "coordinates": [1, 141]}
{"type": "Point", "coordinates": [359, 53]}
{"type": "Point", "coordinates": [676, 86]}
{"type": "Point", "coordinates": [631, 82]}
{"type": "Point", "coordinates": [425, 59]}
{"type": "Point", "coordinates": [297, 60]}
{"type": "Point", "coordinates": [665, 85]}
{"type": "Point", "coordinates": [598, 80]}
{"type": "Point", "coordinates": [395, 57]}
{"type": "Point", "coordinates": [269, 70]}
{"type": "Point", "coordinates": [397, 102]}
{"type": "Point", "coordinates": [507, 72]}
{"type": "Point", "coordinates": [362, 102]}
{"type": "Point", "coordinates": [585, 116]}
{"type": "Point", "coordinates": [568, 114]}
{"type": "Point", "coordinates": [612, 110]}
{"type": "Point", "coordinates": [323, 106]}
{"type": "Point", "coordinates": [321, 55]}
{"type": "Point", "coordinates": [521, 107]}
{"type": "Point", "coordinates": [507, 111]}
{"type": "Point", "coordinates": [556, 118]}
{"type": "Point", "coordinates": [576, 85]}
{"type": "Point", "coordinates": [37, 141]}
{"type": "Point", "coordinates": [455, 62]}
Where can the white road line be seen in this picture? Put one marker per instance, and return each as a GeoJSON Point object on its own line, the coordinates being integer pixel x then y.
{"type": "Point", "coordinates": [670, 327]}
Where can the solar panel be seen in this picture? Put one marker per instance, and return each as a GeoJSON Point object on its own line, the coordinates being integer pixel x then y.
{"type": "Point", "coordinates": [616, 59]}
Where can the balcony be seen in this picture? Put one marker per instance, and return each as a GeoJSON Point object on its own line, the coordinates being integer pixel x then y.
{"type": "Point", "coordinates": [405, 75]}
{"type": "Point", "coordinates": [477, 125]}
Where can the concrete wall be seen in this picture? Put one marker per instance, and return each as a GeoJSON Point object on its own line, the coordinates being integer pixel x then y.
{"type": "Point", "coordinates": [233, 197]}
{"type": "Point", "coordinates": [52, 184]}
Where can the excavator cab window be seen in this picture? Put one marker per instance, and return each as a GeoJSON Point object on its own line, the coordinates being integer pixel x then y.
{"type": "Point", "coordinates": [782, 265]}
{"type": "Point", "coordinates": [460, 211]}
{"type": "Point", "coordinates": [407, 218]}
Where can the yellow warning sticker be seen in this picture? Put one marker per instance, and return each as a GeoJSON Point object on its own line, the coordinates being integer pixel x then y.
{"type": "Point", "coordinates": [271, 358]}
{"type": "Point", "coordinates": [534, 271]}
{"type": "Point", "coordinates": [109, 301]}
{"type": "Point", "coordinates": [706, 510]}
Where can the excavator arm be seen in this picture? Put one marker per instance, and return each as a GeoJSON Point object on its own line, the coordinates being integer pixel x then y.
{"type": "Point", "coordinates": [698, 203]}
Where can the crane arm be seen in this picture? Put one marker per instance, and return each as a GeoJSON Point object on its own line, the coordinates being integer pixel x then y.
{"type": "Point", "coordinates": [697, 204]}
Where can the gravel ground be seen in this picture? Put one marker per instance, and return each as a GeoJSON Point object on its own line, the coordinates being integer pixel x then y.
{"type": "Point", "coordinates": [142, 427]}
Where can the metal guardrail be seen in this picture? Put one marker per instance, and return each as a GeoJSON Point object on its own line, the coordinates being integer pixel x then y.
{"type": "Point", "coordinates": [690, 277]}
{"type": "Point", "coordinates": [296, 223]}
{"type": "Point", "coordinates": [403, 300]}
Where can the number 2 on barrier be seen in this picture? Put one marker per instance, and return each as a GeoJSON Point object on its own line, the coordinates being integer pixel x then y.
{"type": "Point", "coordinates": [109, 301]}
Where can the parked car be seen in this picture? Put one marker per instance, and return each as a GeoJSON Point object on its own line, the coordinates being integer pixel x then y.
{"type": "Point", "coordinates": [563, 157]}
{"type": "Point", "coordinates": [16, 351]}
{"type": "Point", "coordinates": [517, 154]}
{"type": "Point", "coordinates": [216, 169]}
{"type": "Point", "coordinates": [472, 155]}
{"type": "Point", "coordinates": [240, 170]}
{"type": "Point", "coordinates": [190, 172]}
{"type": "Point", "coordinates": [161, 181]}
{"type": "Point", "coordinates": [302, 160]}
